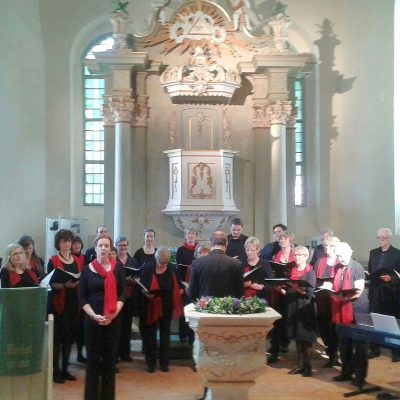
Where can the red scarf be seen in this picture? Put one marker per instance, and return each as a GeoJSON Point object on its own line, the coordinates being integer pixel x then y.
{"type": "Point", "coordinates": [154, 310]}
{"type": "Point", "coordinates": [322, 267]}
{"type": "Point", "coordinates": [342, 311]}
{"type": "Point", "coordinates": [110, 286]}
{"type": "Point", "coordinates": [279, 254]}
{"type": "Point", "coordinates": [295, 274]}
{"type": "Point", "coordinates": [15, 278]}
{"type": "Point", "coordinates": [189, 246]}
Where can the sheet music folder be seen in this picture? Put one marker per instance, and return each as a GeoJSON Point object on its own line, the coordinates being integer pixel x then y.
{"type": "Point", "coordinates": [285, 281]}
{"type": "Point", "coordinates": [58, 275]}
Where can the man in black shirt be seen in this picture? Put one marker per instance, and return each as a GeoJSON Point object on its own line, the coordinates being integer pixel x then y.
{"type": "Point", "coordinates": [270, 249]}
{"type": "Point", "coordinates": [236, 240]}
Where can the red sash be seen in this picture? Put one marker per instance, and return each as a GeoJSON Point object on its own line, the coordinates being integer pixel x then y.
{"type": "Point", "coordinates": [295, 274]}
{"type": "Point", "coordinates": [322, 267]}
{"type": "Point", "coordinates": [154, 310]}
{"type": "Point", "coordinates": [15, 278]}
{"type": "Point", "coordinates": [110, 286]}
{"type": "Point", "coordinates": [342, 311]}
{"type": "Point", "coordinates": [59, 295]}
{"type": "Point", "coordinates": [279, 254]}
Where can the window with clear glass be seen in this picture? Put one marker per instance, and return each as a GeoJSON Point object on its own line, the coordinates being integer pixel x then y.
{"type": "Point", "coordinates": [299, 190]}
{"type": "Point", "coordinates": [93, 129]}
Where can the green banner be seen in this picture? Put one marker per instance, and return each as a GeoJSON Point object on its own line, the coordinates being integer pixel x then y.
{"type": "Point", "coordinates": [22, 330]}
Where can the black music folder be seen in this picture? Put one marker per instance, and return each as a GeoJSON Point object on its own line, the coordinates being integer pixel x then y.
{"type": "Point", "coordinates": [281, 270]}
{"type": "Point", "coordinates": [285, 281]}
{"type": "Point", "coordinates": [59, 275]}
{"type": "Point", "coordinates": [256, 275]}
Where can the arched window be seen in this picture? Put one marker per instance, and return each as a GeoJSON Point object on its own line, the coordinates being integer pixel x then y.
{"type": "Point", "coordinates": [93, 130]}
{"type": "Point", "coordinates": [299, 190]}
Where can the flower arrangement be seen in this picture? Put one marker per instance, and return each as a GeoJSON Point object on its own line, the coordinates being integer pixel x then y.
{"type": "Point", "coordinates": [230, 305]}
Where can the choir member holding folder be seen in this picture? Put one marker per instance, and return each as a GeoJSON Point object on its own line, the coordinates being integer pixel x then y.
{"type": "Point", "coordinates": [184, 259]}
{"type": "Point", "coordinates": [325, 268]}
{"type": "Point", "coordinates": [277, 335]}
{"type": "Point", "coordinates": [15, 272]}
{"type": "Point", "coordinates": [255, 270]}
{"type": "Point", "coordinates": [130, 267]}
{"type": "Point", "coordinates": [162, 301]}
{"type": "Point", "coordinates": [102, 294]}
{"type": "Point", "coordinates": [353, 353]}
{"type": "Point", "coordinates": [300, 321]}
{"type": "Point", "coordinates": [63, 278]}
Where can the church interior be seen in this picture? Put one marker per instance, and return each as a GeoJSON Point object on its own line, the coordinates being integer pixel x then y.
{"type": "Point", "coordinates": [187, 113]}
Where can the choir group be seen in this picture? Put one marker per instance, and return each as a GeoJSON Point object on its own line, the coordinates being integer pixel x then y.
{"type": "Point", "coordinates": [95, 296]}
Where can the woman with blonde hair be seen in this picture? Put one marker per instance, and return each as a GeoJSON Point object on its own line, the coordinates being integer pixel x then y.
{"type": "Point", "coordinates": [15, 272]}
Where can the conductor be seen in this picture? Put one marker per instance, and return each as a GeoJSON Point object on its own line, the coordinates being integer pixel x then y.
{"type": "Point", "coordinates": [216, 274]}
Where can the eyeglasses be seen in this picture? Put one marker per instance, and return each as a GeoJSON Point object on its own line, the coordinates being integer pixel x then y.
{"type": "Point", "coordinates": [383, 237]}
{"type": "Point", "coordinates": [300, 254]}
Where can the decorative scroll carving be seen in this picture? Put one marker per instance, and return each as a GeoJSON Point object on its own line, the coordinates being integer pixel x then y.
{"type": "Point", "coordinates": [228, 178]}
{"type": "Point", "coordinates": [202, 183]}
{"type": "Point", "coordinates": [172, 129]}
{"type": "Point", "coordinates": [279, 112]}
{"type": "Point", "coordinates": [108, 115]}
{"type": "Point", "coordinates": [260, 116]}
{"type": "Point", "coordinates": [120, 21]}
{"type": "Point", "coordinates": [226, 129]}
{"type": "Point", "coordinates": [141, 117]}
{"type": "Point", "coordinates": [200, 77]}
{"type": "Point", "coordinates": [122, 109]}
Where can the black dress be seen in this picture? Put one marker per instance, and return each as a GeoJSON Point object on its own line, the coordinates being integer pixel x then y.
{"type": "Point", "coordinates": [301, 320]}
{"type": "Point", "coordinates": [26, 279]}
{"type": "Point", "coordinates": [141, 257]}
{"type": "Point", "coordinates": [184, 259]}
{"type": "Point", "coordinates": [166, 285]}
{"type": "Point", "coordinates": [66, 319]}
{"type": "Point", "coordinates": [130, 309]}
{"type": "Point", "coordinates": [101, 341]}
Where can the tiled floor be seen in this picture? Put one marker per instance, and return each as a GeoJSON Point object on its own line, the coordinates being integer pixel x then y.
{"type": "Point", "coordinates": [181, 383]}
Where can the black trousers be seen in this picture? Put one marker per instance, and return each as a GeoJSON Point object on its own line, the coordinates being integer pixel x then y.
{"type": "Point", "coordinates": [150, 341]}
{"type": "Point", "coordinates": [124, 347]}
{"type": "Point", "coordinates": [101, 348]}
{"type": "Point", "coordinates": [354, 356]}
{"type": "Point", "coordinates": [326, 328]}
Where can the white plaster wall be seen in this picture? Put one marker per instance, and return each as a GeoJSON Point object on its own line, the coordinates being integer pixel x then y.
{"type": "Point", "coordinates": [22, 135]}
{"type": "Point", "coordinates": [351, 190]}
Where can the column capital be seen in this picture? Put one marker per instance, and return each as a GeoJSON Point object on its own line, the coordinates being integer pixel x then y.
{"type": "Point", "coordinates": [279, 111]}
{"type": "Point", "coordinates": [117, 109]}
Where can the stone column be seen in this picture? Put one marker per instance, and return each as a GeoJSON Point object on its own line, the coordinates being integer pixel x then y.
{"type": "Point", "coordinates": [278, 113]}
{"type": "Point", "coordinates": [261, 156]}
{"type": "Point", "coordinates": [122, 109]}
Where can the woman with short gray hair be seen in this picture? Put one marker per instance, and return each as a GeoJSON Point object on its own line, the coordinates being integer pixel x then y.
{"type": "Point", "coordinates": [161, 302]}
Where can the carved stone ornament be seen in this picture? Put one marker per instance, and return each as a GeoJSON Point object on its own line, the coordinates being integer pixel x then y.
{"type": "Point", "coordinates": [196, 26]}
{"type": "Point", "coordinates": [230, 349]}
{"type": "Point", "coordinates": [204, 223]}
{"type": "Point", "coordinates": [120, 21]}
{"type": "Point", "coordinates": [279, 112]}
{"type": "Point", "coordinates": [202, 183]}
{"type": "Point", "coordinates": [227, 130]}
{"type": "Point", "coordinates": [108, 115]}
{"type": "Point", "coordinates": [260, 116]}
{"type": "Point", "coordinates": [141, 117]}
{"type": "Point", "coordinates": [280, 27]}
{"type": "Point", "coordinates": [200, 80]}
{"type": "Point", "coordinates": [122, 109]}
